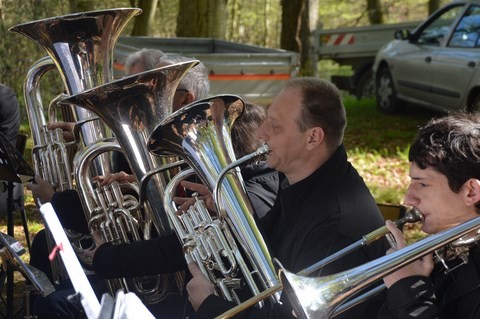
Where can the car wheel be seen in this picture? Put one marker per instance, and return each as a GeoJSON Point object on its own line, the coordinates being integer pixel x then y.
{"type": "Point", "coordinates": [385, 93]}
{"type": "Point", "coordinates": [366, 86]}
{"type": "Point", "coordinates": [475, 107]}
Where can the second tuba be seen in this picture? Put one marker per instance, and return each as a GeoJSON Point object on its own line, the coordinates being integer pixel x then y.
{"type": "Point", "coordinates": [200, 134]}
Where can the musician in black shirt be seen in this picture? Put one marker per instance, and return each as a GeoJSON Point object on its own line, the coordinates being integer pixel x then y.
{"type": "Point", "coordinates": [445, 186]}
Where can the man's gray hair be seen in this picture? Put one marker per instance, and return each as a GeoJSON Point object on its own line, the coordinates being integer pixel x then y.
{"type": "Point", "coordinates": [148, 58]}
{"type": "Point", "coordinates": [195, 80]}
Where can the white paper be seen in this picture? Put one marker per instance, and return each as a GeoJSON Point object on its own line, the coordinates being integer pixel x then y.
{"type": "Point", "coordinates": [129, 306]}
{"type": "Point", "coordinates": [75, 271]}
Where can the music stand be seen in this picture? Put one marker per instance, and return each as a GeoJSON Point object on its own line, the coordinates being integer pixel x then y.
{"type": "Point", "coordinates": [36, 277]}
{"type": "Point", "coordinates": [13, 169]}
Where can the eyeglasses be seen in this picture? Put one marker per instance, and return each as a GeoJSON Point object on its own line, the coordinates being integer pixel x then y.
{"type": "Point", "coordinates": [182, 90]}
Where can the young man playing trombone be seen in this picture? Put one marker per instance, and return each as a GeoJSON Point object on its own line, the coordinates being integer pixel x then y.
{"type": "Point", "coordinates": [445, 186]}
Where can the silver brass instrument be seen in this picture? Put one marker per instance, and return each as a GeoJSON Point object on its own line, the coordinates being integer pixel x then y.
{"type": "Point", "coordinates": [321, 297]}
{"type": "Point", "coordinates": [200, 134]}
{"type": "Point", "coordinates": [412, 215]}
{"type": "Point", "coordinates": [81, 47]}
{"type": "Point", "coordinates": [132, 107]}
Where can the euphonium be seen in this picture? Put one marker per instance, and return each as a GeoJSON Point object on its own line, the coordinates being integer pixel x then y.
{"type": "Point", "coordinates": [200, 134]}
{"type": "Point", "coordinates": [132, 107]}
{"type": "Point", "coordinates": [81, 47]}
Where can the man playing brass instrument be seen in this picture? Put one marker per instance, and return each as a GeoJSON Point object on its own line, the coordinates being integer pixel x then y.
{"type": "Point", "coordinates": [323, 204]}
{"type": "Point", "coordinates": [445, 186]}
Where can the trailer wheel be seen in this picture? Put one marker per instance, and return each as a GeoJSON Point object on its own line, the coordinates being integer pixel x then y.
{"type": "Point", "coordinates": [385, 93]}
{"type": "Point", "coordinates": [366, 86]}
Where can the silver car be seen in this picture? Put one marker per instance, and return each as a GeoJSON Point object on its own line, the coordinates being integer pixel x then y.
{"type": "Point", "coordinates": [436, 66]}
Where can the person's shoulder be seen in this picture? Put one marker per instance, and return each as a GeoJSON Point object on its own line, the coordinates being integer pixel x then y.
{"type": "Point", "coordinates": [7, 96]}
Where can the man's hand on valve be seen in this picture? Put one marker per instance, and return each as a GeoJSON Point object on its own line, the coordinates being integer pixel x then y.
{"type": "Point", "coordinates": [203, 192]}
{"type": "Point", "coordinates": [41, 189]}
{"type": "Point", "coordinates": [120, 177]}
{"type": "Point", "coordinates": [66, 127]}
{"type": "Point", "coordinates": [199, 287]}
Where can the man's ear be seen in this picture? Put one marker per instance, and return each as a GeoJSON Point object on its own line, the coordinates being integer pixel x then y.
{"type": "Point", "coordinates": [315, 137]}
{"type": "Point", "coordinates": [189, 98]}
{"type": "Point", "coordinates": [473, 191]}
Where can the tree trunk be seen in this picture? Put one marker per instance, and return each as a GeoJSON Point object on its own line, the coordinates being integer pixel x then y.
{"type": "Point", "coordinates": [143, 23]}
{"type": "Point", "coordinates": [295, 34]}
{"type": "Point", "coordinates": [433, 6]}
{"type": "Point", "coordinates": [81, 5]}
{"type": "Point", "coordinates": [374, 9]}
{"type": "Point", "coordinates": [202, 18]}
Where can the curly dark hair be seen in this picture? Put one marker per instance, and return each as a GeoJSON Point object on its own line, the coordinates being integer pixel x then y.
{"type": "Point", "coordinates": [450, 145]}
{"type": "Point", "coordinates": [244, 129]}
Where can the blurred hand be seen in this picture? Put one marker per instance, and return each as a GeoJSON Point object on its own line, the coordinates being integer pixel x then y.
{"type": "Point", "coordinates": [199, 287]}
{"type": "Point", "coordinates": [120, 177]}
{"type": "Point", "coordinates": [203, 192]}
{"type": "Point", "coordinates": [66, 127]}
{"type": "Point", "coordinates": [420, 267]}
{"type": "Point", "coordinates": [98, 240]}
{"type": "Point", "coordinates": [42, 190]}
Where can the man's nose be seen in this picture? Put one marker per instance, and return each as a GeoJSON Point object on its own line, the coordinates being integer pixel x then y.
{"type": "Point", "coordinates": [260, 133]}
{"type": "Point", "coordinates": [410, 198]}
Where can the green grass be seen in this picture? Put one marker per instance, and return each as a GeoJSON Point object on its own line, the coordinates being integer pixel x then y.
{"type": "Point", "coordinates": [377, 145]}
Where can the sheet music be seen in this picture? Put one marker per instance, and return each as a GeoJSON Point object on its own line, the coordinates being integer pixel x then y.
{"type": "Point", "coordinates": [129, 306]}
{"type": "Point", "coordinates": [79, 280]}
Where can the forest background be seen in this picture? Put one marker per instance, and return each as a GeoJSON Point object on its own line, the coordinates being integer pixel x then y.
{"type": "Point", "coordinates": [287, 24]}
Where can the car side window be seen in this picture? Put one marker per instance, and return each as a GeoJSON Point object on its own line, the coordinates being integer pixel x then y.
{"type": "Point", "coordinates": [437, 31]}
{"type": "Point", "coordinates": [466, 34]}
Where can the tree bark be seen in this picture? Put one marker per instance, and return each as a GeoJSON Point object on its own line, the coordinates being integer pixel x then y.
{"type": "Point", "coordinates": [296, 32]}
{"type": "Point", "coordinates": [143, 23]}
{"type": "Point", "coordinates": [81, 5]}
{"type": "Point", "coordinates": [374, 10]}
{"type": "Point", "coordinates": [202, 18]}
{"type": "Point", "coordinates": [433, 6]}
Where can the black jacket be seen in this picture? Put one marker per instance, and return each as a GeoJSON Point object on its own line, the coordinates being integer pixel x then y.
{"type": "Point", "coordinates": [9, 114]}
{"type": "Point", "coordinates": [310, 220]}
{"type": "Point", "coordinates": [443, 296]}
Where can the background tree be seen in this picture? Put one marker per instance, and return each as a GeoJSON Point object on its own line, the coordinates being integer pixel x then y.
{"type": "Point", "coordinates": [374, 10]}
{"type": "Point", "coordinates": [433, 5]}
{"type": "Point", "coordinates": [143, 23]}
{"type": "Point", "coordinates": [295, 35]}
{"type": "Point", "coordinates": [81, 5]}
{"type": "Point", "coordinates": [202, 18]}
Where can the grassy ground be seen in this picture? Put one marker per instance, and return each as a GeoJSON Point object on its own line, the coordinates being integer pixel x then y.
{"type": "Point", "coordinates": [377, 146]}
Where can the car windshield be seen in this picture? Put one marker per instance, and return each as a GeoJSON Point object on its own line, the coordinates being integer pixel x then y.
{"type": "Point", "coordinates": [437, 31]}
{"type": "Point", "coordinates": [466, 34]}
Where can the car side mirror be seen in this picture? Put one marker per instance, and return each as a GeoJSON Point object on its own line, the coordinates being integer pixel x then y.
{"type": "Point", "coordinates": [401, 34]}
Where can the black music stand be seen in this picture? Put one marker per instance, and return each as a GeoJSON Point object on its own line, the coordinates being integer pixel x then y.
{"type": "Point", "coordinates": [13, 169]}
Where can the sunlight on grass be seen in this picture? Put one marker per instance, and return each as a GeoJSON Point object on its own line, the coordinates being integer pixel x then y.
{"type": "Point", "coordinates": [385, 174]}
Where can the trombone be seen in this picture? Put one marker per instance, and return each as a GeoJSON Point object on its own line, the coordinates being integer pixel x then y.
{"type": "Point", "coordinates": [321, 297]}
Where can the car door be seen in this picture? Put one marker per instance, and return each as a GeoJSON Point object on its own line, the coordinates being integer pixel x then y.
{"type": "Point", "coordinates": [412, 67]}
{"type": "Point", "coordinates": [455, 64]}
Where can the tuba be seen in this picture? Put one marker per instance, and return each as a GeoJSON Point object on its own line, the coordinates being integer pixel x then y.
{"type": "Point", "coordinates": [132, 107]}
{"type": "Point", "coordinates": [200, 135]}
{"type": "Point", "coordinates": [80, 47]}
